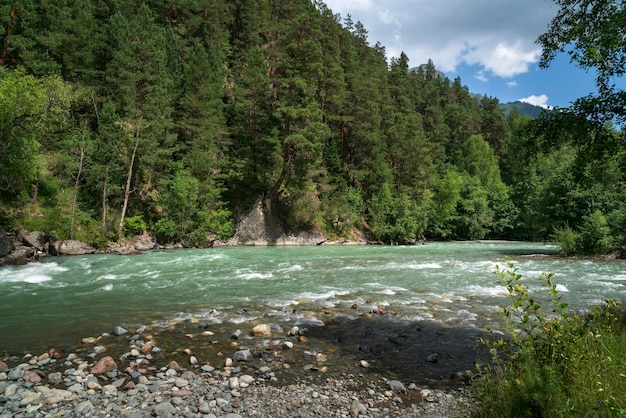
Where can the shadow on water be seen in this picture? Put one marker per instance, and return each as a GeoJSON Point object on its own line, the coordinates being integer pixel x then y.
{"type": "Point", "coordinates": [424, 353]}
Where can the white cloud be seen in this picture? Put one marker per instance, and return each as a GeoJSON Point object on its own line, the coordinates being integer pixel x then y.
{"type": "Point", "coordinates": [481, 76]}
{"type": "Point", "coordinates": [496, 35]}
{"type": "Point", "coordinates": [511, 84]}
{"type": "Point", "coordinates": [541, 100]}
{"type": "Point", "coordinates": [386, 16]}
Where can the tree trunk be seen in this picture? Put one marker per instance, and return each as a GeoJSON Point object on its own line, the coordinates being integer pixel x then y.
{"type": "Point", "coordinates": [105, 183]}
{"type": "Point", "coordinates": [76, 184]}
{"type": "Point", "coordinates": [127, 188]}
{"type": "Point", "coordinates": [5, 46]}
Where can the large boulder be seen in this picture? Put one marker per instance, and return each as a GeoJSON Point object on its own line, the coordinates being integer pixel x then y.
{"type": "Point", "coordinates": [35, 239]}
{"type": "Point", "coordinates": [144, 242]}
{"type": "Point", "coordinates": [6, 246]}
{"type": "Point", "coordinates": [70, 247]}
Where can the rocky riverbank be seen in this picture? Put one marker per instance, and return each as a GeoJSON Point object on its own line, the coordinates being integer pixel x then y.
{"type": "Point", "coordinates": [191, 368]}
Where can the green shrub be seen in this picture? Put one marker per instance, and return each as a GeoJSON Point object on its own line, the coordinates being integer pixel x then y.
{"type": "Point", "coordinates": [568, 240]}
{"type": "Point", "coordinates": [134, 225]}
{"type": "Point", "coordinates": [552, 363]}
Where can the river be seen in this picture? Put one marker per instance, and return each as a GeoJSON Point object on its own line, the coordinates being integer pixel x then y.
{"type": "Point", "coordinates": [59, 300]}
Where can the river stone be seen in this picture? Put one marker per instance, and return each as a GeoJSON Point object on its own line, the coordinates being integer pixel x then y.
{"type": "Point", "coordinates": [357, 408]}
{"type": "Point", "coordinates": [83, 408]}
{"type": "Point", "coordinates": [242, 355]}
{"type": "Point", "coordinates": [397, 386]}
{"type": "Point", "coordinates": [262, 330]}
{"type": "Point", "coordinates": [70, 247]}
{"type": "Point", "coordinates": [52, 396]}
{"type": "Point", "coordinates": [32, 377]}
{"type": "Point", "coordinates": [29, 397]}
{"type": "Point", "coordinates": [6, 246]}
{"type": "Point", "coordinates": [119, 331]}
{"type": "Point", "coordinates": [104, 365]}
{"type": "Point", "coordinates": [164, 409]}
{"type": "Point", "coordinates": [3, 367]}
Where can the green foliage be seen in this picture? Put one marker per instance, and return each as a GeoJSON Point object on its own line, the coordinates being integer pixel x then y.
{"type": "Point", "coordinates": [552, 363]}
{"type": "Point", "coordinates": [186, 114]}
{"type": "Point", "coordinates": [134, 225]}
{"type": "Point", "coordinates": [593, 237]}
{"type": "Point", "coordinates": [590, 33]}
{"type": "Point", "coordinates": [30, 108]}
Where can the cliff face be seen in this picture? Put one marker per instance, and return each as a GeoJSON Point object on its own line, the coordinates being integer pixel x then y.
{"type": "Point", "coordinates": [262, 226]}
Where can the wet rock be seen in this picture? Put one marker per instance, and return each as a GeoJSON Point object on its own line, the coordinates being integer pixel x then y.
{"type": "Point", "coordinates": [262, 330]}
{"type": "Point", "coordinates": [3, 367]}
{"type": "Point", "coordinates": [433, 358]}
{"type": "Point", "coordinates": [117, 331]}
{"type": "Point", "coordinates": [242, 355]}
{"type": "Point", "coordinates": [104, 365]}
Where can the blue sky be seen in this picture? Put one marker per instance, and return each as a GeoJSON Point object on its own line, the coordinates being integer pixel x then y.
{"type": "Point", "coordinates": [490, 44]}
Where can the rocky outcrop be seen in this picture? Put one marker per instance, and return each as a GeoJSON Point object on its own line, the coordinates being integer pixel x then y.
{"type": "Point", "coordinates": [36, 239]}
{"type": "Point", "coordinates": [70, 247]}
{"type": "Point", "coordinates": [6, 246]}
{"type": "Point", "coordinates": [262, 226]}
{"type": "Point", "coordinates": [137, 244]}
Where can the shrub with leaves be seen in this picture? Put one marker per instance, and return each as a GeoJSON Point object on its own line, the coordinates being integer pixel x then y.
{"type": "Point", "coordinates": [552, 363]}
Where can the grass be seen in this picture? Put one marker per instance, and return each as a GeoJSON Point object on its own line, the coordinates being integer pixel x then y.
{"type": "Point", "coordinates": [553, 364]}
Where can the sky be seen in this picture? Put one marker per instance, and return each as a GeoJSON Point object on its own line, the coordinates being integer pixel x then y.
{"type": "Point", "coordinates": [490, 44]}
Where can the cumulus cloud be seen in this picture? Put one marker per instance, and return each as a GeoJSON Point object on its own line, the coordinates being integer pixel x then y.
{"type": "Point", "coordinates": [541, 100]}
{"type": "Point", "coordinates": [498, 36]}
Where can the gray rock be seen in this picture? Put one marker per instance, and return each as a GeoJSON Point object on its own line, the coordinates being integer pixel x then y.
{"type": "Point", "coordinates": [164, 410]}
{"type": "Point", "coordinates": [6, 246]}
{"type": "Point", "coordinates": [119, 331]}
{"type": "Point", "coordinates": [242, 355]}
{"type": "Point", "coordinates": [83, 408]}
{"type": "Point", "coordinates": [35, 239]}
{"type": "Point", "coordinates": [357, 408]}
{"type": "Point", "coordinates": [397, 386]}
{"type": "Point", "coordinates": [433, 358]}
{"type": "Point", "coordinates": [70, 247]}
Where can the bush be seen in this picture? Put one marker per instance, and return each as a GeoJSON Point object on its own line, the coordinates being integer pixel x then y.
{"type": "Point", "coordinates": [134, 225]}
{"type": "Point", "coordinates": [568, 240]}
{"type": "Point", "coordinates": [553, 364]}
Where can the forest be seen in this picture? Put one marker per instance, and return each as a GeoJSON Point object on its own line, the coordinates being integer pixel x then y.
{"type": "Point", "coordinates": [119, 116]}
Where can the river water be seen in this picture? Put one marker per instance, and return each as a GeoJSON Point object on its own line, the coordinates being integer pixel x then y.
{"type": "Point", "coordinates": [59, 300]}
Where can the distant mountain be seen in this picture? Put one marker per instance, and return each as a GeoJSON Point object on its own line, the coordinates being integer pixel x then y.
{"type": "Point", "coordinates": [423, 67]}
{"type": "Point", "coordinates": [524, 109]}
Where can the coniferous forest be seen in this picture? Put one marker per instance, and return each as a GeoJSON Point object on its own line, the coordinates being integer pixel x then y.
{"type": "Point", "coordinates": [176, 117]}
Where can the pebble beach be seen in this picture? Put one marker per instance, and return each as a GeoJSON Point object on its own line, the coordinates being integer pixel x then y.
{"type": "Point", "coordinates": [191, 369]}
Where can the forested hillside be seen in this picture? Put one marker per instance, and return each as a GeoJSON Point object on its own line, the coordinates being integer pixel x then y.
{"type": "Point", "coordinates": [176, 117]}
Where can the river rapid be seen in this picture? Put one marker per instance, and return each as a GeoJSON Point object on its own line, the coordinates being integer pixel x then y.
{"type": "Point", "coordinates": [59, 300]}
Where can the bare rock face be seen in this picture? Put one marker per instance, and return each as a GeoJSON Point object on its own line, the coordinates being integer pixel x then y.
{"type": "Point", "coordinates": [70, 247]}
{"type": "Point", "coordinates": [144, 242]}
{"type": "Point", "coordinates": [35, 239]}
{"type": "Point", "coordinates": [6, 246]}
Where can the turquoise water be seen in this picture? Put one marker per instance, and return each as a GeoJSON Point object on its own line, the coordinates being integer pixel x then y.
{"type": "Point", "coordinates": [62, 299]}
